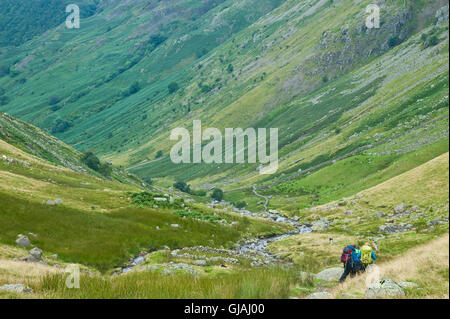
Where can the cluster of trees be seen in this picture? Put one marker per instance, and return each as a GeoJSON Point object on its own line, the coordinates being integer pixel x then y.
{"type": "Point", "coordinates": [173, 87]}
{"type": "Point", "coordinates": [217, 194]}
{"type": "Point", "coordinates": [92, 161]}
{"type": "Point", "coordinates": [430, 40]}
{"type": "Point", "coordinates": [183, 187]}
{"type": "Point", "coordinates": [133, 89]}
{"type": "Point", "coordinates": [240, 204]}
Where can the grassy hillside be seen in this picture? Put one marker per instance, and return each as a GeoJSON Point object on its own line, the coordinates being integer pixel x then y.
{"type": "Point", "coordinates": [363, 146]}
{"type": "Point", "coordinates": [425, 188]}
{"type": "Point", "coordinates": [99, 223]}
{"type": "Point", "coordinates": [310, 68]}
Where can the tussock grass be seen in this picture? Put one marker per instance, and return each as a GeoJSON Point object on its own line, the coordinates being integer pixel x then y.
{"type": "Point", "coordinates": [104, 240]}
{"type": "Point", "coordinates": [261, 283]}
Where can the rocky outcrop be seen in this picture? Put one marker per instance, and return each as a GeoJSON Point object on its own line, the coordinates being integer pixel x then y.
{"type": "Point", "coordinates": [23, 241]}
{"type": "Point", "coordinates": [394, 229]}
{"type": "Point", "coordinates": [321, 224]}
{"type": "Point", "coordinates": [330, 274]}
{"type": "Point", "coordinates": [385, 287]}
{"type": "Point", "coordinates": [401, 208]}
{"type": "Point", "coordinates": [36, 253]}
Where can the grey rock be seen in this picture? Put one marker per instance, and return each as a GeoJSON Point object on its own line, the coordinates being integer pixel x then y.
{"type": "Point", "coordinates": [23, 241]}
{"type": "Point", "coordinates": [400, 208]}
{"type": "Point", "coordinates": [36, 253]}
{"type": "Point", "coordinates": [175, 225]}
{"type": "Point", "coordinates": [320, 225]}
{"type": "Point", "coordinates": [172, 267]}
{"type": "Point", "coordinates": [50, 203]}
{"type": "Point", "coordinates": [200, 262]}
{"type": "Point", "coordinates": [385, 287]}
{"type": "Point", "coordinates": [139, 260]}
{"type": "Point", "coordinates": [58, 201]}
{"type": "Point", "coordinates": [330, 274]}
{"type": "Point", "coordinates": [414, 209]}
{"type": "Point", "coordinates": [394, 229]}
{"type": "Point", "coordinates": [16, 288]}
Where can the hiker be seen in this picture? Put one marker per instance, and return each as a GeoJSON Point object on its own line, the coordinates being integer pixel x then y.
{"type": "Point", "coordinates": [349, 259]}
{"type": "Point", "coordinates": [358, 266]}
{"type": "Point", "coordinates": [366, 255]}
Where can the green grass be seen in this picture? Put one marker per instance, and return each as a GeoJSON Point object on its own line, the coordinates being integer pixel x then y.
{"type": "Point", "coordinates": [265, 283]}
{"type": "Point", "coordinates": [353, 175]}
{"type": "Point", "coordinates": [106, 240]}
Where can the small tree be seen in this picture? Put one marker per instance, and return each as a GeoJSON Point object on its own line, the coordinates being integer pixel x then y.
{"type": "Point", "coordinates": [434, 40]}
{"type": "Point", "coordinates": [134, 88]}
{"type": "Point", "coordinates": [173, 87]}
{"type": "Point", "coordinates": [182, 186]}
{"type": "Point", "coordinates": [217, 194]}
{"type": "Point", "coordinates": [393, 42]}
{"type": "Point", "coordinates": [91, 161]}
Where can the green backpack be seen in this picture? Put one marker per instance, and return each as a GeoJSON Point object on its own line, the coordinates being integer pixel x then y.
{"type": "Point", "coordinates": [366, 255]}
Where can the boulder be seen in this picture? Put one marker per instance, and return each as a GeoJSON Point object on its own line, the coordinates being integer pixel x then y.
{"type": "Point", "coordinates": [200, 262]}
{"type": "Point", "coordinates": [23, 241]}
{"type": "Point", "coordinates": [400, 208]}
{"type": "Point", "coordinates": [320, 225]}
{"type": "Point", "coordinates": [58, 201]}
{"type": "Point", "coordinates": [320, 295]}
{"type": "Point", "coordinates": [50, 203]}
{"type": "Point", "coordinates": [330, 274]}
{"type": "Point", "coordinates": [385, 287]}
{"type": "Point", "coordinates": [16, 288]}
{"type": "Point", "coordinates": [36, 253]}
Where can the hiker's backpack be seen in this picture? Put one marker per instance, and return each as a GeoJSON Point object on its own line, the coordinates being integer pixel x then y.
{"type": "Point", "coordinates": [346, 256]}
{"type": "Point", "coordinates": [366, 255]}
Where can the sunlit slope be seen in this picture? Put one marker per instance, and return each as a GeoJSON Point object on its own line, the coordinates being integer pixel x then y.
{"type": "Point", "coordinates": [310, 68]}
